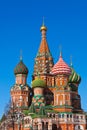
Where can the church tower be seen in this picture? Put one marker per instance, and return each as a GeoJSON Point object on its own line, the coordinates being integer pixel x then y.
{"type": "Point", "coordinates": [43, 61]}
{"type": "Point", "coordinates": [20, 91]}
{"type": "Point", "coordinates": [66, 97]}
{"type": "Point", "coordinates": [62, 95]}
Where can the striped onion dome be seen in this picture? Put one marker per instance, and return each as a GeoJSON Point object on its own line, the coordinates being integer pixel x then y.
{"type": "Point", "coordinates": [74, 77]}
{"type": "Point", "coordinates": [61, 68]}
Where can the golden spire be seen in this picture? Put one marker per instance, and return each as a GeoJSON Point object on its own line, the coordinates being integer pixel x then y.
{"type": "Point", "coordinates": [43, 27]}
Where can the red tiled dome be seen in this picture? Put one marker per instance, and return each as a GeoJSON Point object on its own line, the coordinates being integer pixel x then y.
{"type": "Point", "coordinates": [61, 68]}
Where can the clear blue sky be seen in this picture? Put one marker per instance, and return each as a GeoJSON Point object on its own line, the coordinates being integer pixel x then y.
{"type": "Point", "coordinates": [20, 23]}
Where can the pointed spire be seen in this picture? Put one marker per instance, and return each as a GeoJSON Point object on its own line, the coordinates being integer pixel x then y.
{"type": "Point", "coordinates": [44, 46]}
{"type": "Point", "coordinates": [60, 48]}
{"type": "Point", "coordinates": [71, 64]}
{"type": "Point", "coordinates": [43, 21]}
{"type": "Point", "coordinates": [43, 27]}
{"type": "Point", "coordinates": [21, 57]}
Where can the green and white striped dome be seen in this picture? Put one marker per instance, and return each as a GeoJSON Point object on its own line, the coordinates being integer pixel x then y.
{"type": "Point", "coordinates": [74, 77]}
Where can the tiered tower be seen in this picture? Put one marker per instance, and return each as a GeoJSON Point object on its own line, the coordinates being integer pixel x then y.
{"type": "Point", "coordinates": [20, 92]}
{"type": "Point", "coordinates": [66, 81]}
{"type": "Point", "coordinates": [62, 96]}
{"type": "Point", "coordinates": [43, 61]}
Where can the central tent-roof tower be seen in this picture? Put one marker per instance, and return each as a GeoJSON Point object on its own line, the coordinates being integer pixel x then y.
{"type": "Point", "coordinates": [43, 61]}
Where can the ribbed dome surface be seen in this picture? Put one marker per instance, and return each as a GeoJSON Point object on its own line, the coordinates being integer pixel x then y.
{"type": "Point", "coordinates": [38, 83]}
{"type": "Point", "coordinates": [61, 68]}
{"type": "Point", "coordinates": [74, 77]}
{"type": "Point", "coordinates": [21, 68]}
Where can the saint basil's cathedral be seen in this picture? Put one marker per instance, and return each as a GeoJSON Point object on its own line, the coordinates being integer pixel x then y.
{"type": "Point", "coordinates": [52, 102]}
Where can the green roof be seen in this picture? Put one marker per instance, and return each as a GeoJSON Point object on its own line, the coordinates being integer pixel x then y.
{"type": "Point", "coordinates": [38, 83]}
{"type": "Point", "coordinates": [74, 77]}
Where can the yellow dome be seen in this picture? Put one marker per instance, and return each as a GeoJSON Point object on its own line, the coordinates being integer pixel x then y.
{"type": "Point", "coordinates": [43, 28]}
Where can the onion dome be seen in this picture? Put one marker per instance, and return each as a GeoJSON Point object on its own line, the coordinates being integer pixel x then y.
{"type": "Point", "coordinates": [21, 68]}
{"type": "Point", "coordinates": [38, 83]}
{"type": "Point", "coordinates": [43, 28]}
{"type": "Point", "coordinates": [61, 68]}
{"type": "Point", "coordinates": [74, 77]}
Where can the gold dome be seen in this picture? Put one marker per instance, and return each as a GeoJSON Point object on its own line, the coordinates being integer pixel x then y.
{"type": "Point", "coordinates": [43, 28]}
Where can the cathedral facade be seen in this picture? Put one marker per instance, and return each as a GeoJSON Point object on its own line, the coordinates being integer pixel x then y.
{"type": "Point", "coordinates": [52, 102]}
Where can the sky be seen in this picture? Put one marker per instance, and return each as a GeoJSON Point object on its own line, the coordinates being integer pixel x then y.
{"type": "Point", "coordinates": [20, 23]}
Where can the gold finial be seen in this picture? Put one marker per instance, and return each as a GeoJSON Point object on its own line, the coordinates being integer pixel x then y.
{"type": "Point", "coordinates": [60, 48]}
{"type": "Point", "coordinates": [43, 27]}
{"type": "Point", "coordinates": [21, 57]}
{"type": "Point", "coordinates": [71, 64]}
